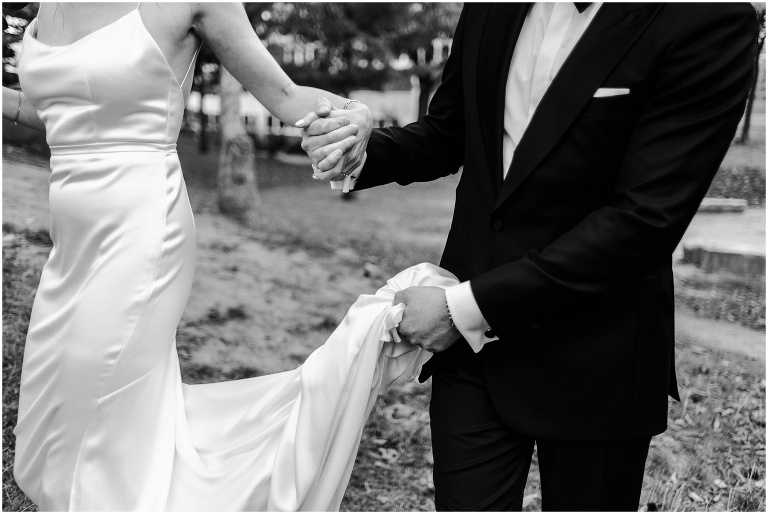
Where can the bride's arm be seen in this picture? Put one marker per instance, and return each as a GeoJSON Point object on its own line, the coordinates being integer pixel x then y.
{"type": "Point", "coordinates": [226, 29]}
{"type": "Point", "coordinates": [27, 114]}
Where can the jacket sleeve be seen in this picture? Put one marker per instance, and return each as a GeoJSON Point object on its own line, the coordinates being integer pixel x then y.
{"type": "Point", "coordinates": [431, 147]}
{"type": "Point", "coordinates": [680, 138]}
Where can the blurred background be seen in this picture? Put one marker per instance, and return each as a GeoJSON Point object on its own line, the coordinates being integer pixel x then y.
{"type": "Point", "coordinates": [281, 257]}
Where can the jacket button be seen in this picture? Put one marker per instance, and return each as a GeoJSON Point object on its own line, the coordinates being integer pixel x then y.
{"type": "Point", "coordinates": [489, 333]}
{"type": "Point", "coordinates": [498, 226]}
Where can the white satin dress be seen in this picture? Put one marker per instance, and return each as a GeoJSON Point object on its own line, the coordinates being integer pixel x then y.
{"type": "Point", "coordinates": [104, 420]}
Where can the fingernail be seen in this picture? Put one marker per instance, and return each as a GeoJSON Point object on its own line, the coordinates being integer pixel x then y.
{"type": "Point", "coordinates": [354, 127]}
{"type": "Point", "coordinates": [346, 121]}
{"type": "Point", "coordinates": [315, 177]}
{"type": "Point", "coordinates": [300, 122]}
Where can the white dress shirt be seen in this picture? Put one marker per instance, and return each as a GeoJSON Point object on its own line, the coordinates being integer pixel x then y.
{"type": "Point", "coordinates": [549, 34]}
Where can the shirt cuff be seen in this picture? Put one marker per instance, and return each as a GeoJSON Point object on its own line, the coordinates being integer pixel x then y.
{"type": "Point", "coordinates": [348, 184]}
{"type": "Point", "coordinates": [467, 316]}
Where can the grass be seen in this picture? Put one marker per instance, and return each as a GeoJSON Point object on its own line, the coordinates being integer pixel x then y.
{"type": "Point", "coordinates": [712, 457]}
{"type": "Point", "coordinates": [19, 286]}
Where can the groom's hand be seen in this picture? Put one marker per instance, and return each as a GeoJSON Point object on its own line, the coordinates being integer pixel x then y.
{"type": "Point", "coordinates": [335, 139]}
{"type": "Point", "coordinates": [425, 320]}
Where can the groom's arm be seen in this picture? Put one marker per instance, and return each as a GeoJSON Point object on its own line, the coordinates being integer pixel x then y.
{"type": "Point", "coordinates": [676, 148]}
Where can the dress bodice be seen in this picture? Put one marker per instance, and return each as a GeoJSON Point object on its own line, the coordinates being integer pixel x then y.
{"type": "Point", "coordinates": [113, 86]}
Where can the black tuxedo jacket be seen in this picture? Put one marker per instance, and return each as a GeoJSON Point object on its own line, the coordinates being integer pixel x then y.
{"type": "Point", "coordinates": [569, 257]}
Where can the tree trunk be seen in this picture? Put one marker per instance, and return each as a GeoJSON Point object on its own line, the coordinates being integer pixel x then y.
{"type": "Point", "coordinates": [202, 137]}
{"type": "Point", "coordinates": [751, 101]}
{"type": "Point", "coordinates": [238, 196]}
{"type": "Point", "coordinates": [427, 79]}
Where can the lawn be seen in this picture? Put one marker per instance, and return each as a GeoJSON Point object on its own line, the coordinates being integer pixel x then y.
{"type": "Point", "coordinates": [265, 296]}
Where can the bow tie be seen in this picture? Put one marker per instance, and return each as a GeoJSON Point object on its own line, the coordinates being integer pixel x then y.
{"type": "Point", "coordinates": [582, 6]}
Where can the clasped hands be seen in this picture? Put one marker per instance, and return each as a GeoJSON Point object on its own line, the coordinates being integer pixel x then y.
{"type": "Point", "coordinates": [335, 139]}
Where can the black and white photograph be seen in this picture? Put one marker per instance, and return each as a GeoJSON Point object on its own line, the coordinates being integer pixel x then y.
{"type": "Point", "coordinates": [384, 256]}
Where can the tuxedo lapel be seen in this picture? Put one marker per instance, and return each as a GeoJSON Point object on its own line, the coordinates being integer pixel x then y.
{"type": "Point", "coordinates": [500, 32]}
{"type": "Point", "coordinates": [606, 40]}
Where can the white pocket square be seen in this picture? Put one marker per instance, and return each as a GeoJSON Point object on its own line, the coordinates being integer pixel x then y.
{"type": "Point", "coordinates": [611, 91]}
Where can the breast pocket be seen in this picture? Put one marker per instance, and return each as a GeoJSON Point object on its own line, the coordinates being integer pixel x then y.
{"type": "Point", "coordinates": [618, 106]}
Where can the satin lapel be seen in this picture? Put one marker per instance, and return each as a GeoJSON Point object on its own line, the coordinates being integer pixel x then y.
{"type": "Point", "coordinates": [502, 28]}
{"type": "Point", "coordinates": [606, 40]}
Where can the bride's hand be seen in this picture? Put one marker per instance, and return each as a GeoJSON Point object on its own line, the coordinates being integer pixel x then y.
{"type": "Point", "coordinates": [335, 139]}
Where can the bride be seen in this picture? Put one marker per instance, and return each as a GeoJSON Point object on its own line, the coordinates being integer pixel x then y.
{"type": "Point", "coordinates": [104, 420]}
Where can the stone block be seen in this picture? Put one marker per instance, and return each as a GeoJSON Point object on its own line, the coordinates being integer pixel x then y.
{"type": "Point", "coordinates": [740, 259]}
{"type": "Point", "coordinates": [723, 205]}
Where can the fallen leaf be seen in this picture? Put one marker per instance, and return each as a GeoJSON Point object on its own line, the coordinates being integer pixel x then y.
{"type": "Point", "coordinates": [388, 454]}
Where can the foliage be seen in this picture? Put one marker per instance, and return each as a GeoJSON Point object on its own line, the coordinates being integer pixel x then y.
{"type": "Point", "coordinates": [344, 46]}
{"type": "Point", "coordinates": [745, 182]}
{"type": "Point", "coordinates": [729, 298]}
{"type": "Point", "coordinates": [16, 16]}
{"type": "Point", "coordinates": [328, 45]}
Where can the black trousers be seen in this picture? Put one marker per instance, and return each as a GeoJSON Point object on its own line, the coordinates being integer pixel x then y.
{"type": "Point", "coordinates": [481, 464]}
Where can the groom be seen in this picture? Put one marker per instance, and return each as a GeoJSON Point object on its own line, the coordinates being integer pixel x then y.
{"type": "Point", "coordinates": [589, 134]}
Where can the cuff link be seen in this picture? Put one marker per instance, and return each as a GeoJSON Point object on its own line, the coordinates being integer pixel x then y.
{"type": "Point", "coordinates": [489, 333]}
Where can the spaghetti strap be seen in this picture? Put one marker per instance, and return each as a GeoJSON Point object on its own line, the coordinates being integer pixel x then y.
{"type": "Point", "coordinates": [191, 64]}
{"type": "Point", "coordinates": [137, 6]}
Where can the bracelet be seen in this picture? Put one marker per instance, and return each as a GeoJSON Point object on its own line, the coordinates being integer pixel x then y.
{"type": "Point", "coordinates": [349, 102]}
{"type": "Point", "coordinates": [18, 111]}
{"type": "Point", "coordinates": [450, 318]}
